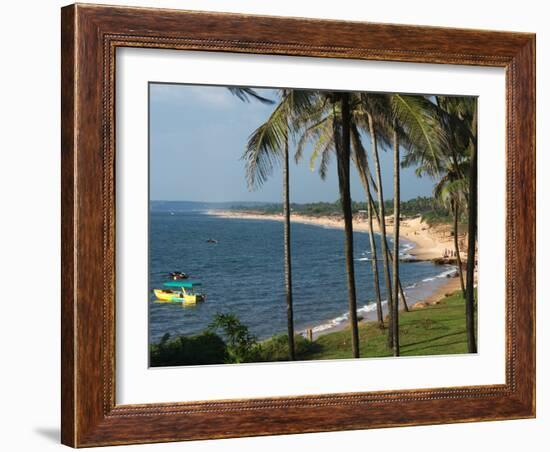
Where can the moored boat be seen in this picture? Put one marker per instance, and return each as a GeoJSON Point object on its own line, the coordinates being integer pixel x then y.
{"type": "Point", "coordinates": [180, 292]}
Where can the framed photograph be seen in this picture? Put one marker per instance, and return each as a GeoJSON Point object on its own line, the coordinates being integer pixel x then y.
{"type": "Point", "coordinates": [281, 225]}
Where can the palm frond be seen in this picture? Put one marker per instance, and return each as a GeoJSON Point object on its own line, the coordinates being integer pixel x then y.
{"type": "Point", "coordinates": [264, 148]}
{"type": "Point", "coordinates": [360, 158]}
{"type": "Point", "coordinates": [326, 154]}
{"type": "Point", "coordinates": [424, 138]}
{"type": "Point", "coordinates": [310, 133]}
{"type": "Point", "coordinates": [245, 94]}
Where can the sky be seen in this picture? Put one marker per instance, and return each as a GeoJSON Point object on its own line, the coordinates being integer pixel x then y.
{"type": "Point", "coordinates": [197, 137]}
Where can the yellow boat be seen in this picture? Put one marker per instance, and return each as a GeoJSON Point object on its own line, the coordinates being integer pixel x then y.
{"type": "Point", "coordinates": [185, 295]}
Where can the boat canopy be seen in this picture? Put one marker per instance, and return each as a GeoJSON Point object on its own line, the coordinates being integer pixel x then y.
{"type": "Point", "coordinates": [184, 283]}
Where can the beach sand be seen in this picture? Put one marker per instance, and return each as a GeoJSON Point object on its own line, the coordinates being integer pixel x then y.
{"type": "Point", "coordinates": [450, 286]}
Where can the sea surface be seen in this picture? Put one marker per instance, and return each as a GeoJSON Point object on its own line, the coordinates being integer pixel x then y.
{"type": "Point", "coordinates": [243, 273]}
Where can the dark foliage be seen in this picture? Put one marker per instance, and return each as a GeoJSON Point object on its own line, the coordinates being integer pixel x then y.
{"type": "Point", "coordinates": [242, 346]}
{"type": "Point", "coordinates": [422, 205]}
{"type": "Point", "coordinates": [204, 348]}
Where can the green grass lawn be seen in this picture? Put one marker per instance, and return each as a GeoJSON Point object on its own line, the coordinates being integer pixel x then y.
{"type": "Point", "coordinates": [434, 330]}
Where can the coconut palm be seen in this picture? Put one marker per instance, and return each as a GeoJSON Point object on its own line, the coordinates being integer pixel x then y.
{"type": "Point", "coordinates": [465, 109]}
{"type": "Point", "coordinates": [396, 223]}
{"type": "Point", "coordinates": [268, 146]}
{"type": "Point", "coordinates": [453, 120]}
{"type": "Point", "coordinates": [376, 216]}
{"type": "Point", "coordinates": [361, 163]}
{"type": "Point", "coordinates": [371, 106]}
{"type": "Point", "coordinates": [472, 230]}
{"type": "Point", "coordinates": [452, 191]}
{"type": "Point", "coordinates": [397, 121]}
{"type": "Point", "coordinates": [328, 125]}
{"type": "Point", "coordinates": [462, 116]}
{"type": "Point", "coordinates": [342, 140]}
{"type": "Point", "coordinates": [320, 133]}
{"type": "Point", "coordinates": [458, 151]}
{"type": "Point", "coordinates": [400, 121]}
{"type": "Point", "coordinates": [415, 130]}
{"type": "Point", "coordinates": [245, 94]}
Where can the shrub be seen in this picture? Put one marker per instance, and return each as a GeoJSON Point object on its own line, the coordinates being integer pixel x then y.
{"type": "Point", "coordinates": [204, 348]}
{"type": "Point", "coordinates": [241, 344]}
{"type": "Point", "coordinates": [276, 348]}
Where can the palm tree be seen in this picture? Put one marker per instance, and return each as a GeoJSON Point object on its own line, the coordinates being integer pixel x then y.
{"type": "Point", "coordinates": [267, 146]}
{"type": "Point", "coordinates": [454, 122]}
{"type": "Point", "coordinates": [361, 163]}
{"type": "Point", "coordinates": [451, 191]}
{"type": "Point", "coordinates": [245, 94]}
{"type": "Point", "coordinates": [375, 104]}
{"type": "Point", "coordinates": [408, 121]}
{"type": "Point", "coordinates": [342, 135]}
{"type": "Point", "coordinates": [472, 230]}
{"type": "Point", "coordinates": [390, 254]}
{"type": "Point", "coordinates": [396, 221]}
{"type": "Point", "coordinates": [461, 115]}
{"type": "Point", "coordinates": [320, 131]}
{"type": "Point", "coordinates": [341, 127]}
{"type": "Point", "coordinates": [328, 124]}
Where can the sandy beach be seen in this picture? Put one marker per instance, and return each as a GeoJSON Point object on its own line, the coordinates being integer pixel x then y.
{"type": "Point", "coordinates": [430, 242]}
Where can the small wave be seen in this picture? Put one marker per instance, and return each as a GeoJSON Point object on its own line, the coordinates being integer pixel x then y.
{"type": "Point", "coordinates": [451, 270]}
{"type": "Point", "coordinates": [330, 324]}
{"type": "Point", "coordinates": [407, 247]}
{"type": "Point", "coordinates": [369, 307]}
{"type": "Point", "coordinates": [320, 328]}
{"type": "Point", "coordinates": [404, 250]}
{"type": "Point", "coordinates": [448, 273]}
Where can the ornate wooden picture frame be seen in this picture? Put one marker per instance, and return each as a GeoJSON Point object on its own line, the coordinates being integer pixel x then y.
{"type": "Point", "coordinates": [90, 37]}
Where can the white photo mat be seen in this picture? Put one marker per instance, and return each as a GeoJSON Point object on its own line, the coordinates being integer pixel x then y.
{"type": "Point", "coordinates": [136, 383]}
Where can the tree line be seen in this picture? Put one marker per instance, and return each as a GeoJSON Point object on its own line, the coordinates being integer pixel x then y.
{"type": "Point", "coordinates": [430, 209]}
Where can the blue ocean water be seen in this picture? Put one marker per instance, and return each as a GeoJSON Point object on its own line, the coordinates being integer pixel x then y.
{"type": "Point", "coordinates": [243, 273]}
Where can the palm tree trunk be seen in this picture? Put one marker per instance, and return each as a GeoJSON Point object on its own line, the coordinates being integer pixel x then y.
{"type": "Point", "coordinates": [390, 257]}
{"type": "Point", "coordinates": [457, 248]}
{"type": "Point", "coordinates": [374, 263]}
{"type": "Point", "coordinates": [472, 229]}
{"type": "Point", "coordinates": [288, 264]}
{"type": "Point", "coordinates": [396, 221]}
{"type": "Point", "coordinates": [403, 299]}
{"type": "Point", "coordinates": [372, 133]}
{"type": "Point", "coordinates": [363, 170]}
{"type": "Point", "coordinates": [343, 151]}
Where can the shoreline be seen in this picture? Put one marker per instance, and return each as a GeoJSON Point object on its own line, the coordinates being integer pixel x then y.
{"type": "Point", "coordinates": [429, 244]}
{"type": "Point", "coordinates": [448, 286]}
